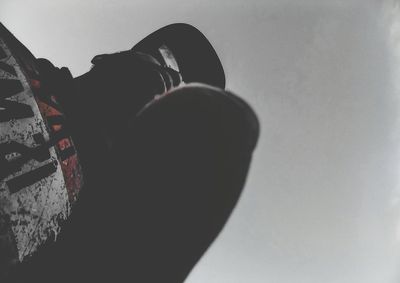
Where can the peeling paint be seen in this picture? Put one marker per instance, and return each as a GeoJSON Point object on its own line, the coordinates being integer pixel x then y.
{"type": "Point", "coordinates": [36, 197]}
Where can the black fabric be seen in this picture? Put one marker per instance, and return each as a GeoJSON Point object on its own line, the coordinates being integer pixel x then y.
{"type": "Point", "coordinates": [152, 207]}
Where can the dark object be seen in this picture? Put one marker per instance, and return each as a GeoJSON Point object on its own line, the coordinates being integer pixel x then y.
{"type": "Point", "coordinates": [195, 56]}
{"type": "Point", "coordinates": [164, 162]}
{"type": "Point", "coordinates": [152, 207]}
{"type": "Point", "coordinates": [40, 174]}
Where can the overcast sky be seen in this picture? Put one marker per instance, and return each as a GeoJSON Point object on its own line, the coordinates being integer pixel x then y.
{"type": "Point", "coordinates": [322, 201]}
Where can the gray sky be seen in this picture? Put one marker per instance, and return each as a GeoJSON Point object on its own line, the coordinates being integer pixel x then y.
{"type": "Point", "coordinates": [322, 201]}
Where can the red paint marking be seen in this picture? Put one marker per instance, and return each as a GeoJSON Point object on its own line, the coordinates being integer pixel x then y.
{"type": "Point", "coordinates": [70, 167]}
{"type": "Point", "coordinates": [64, 143]}
{"type": "Point", "coordinates": [47, 110]}
{"type": "Point", "coordinates": [56, 128]}
{"type": "Point", "coordinates": [73, 177]}
{"type": "Point", "coordinates": [35, 83]}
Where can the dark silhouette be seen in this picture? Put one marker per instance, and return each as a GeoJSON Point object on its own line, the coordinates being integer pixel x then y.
{"type": "Point", "coordinates": [164, 151]}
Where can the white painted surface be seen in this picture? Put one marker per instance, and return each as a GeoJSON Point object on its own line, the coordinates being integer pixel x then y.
{"type": "Point", "coordinates": [322, 201]}
{"type": "Point", "coordinates": [35, 212]}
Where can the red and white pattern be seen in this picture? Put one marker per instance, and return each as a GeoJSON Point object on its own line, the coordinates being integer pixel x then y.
{"type": "Point", "coordinates": [35, 212]}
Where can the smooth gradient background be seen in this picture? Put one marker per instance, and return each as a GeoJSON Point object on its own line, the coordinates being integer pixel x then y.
{"type": "Point", "coordinates": [322, 200]}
